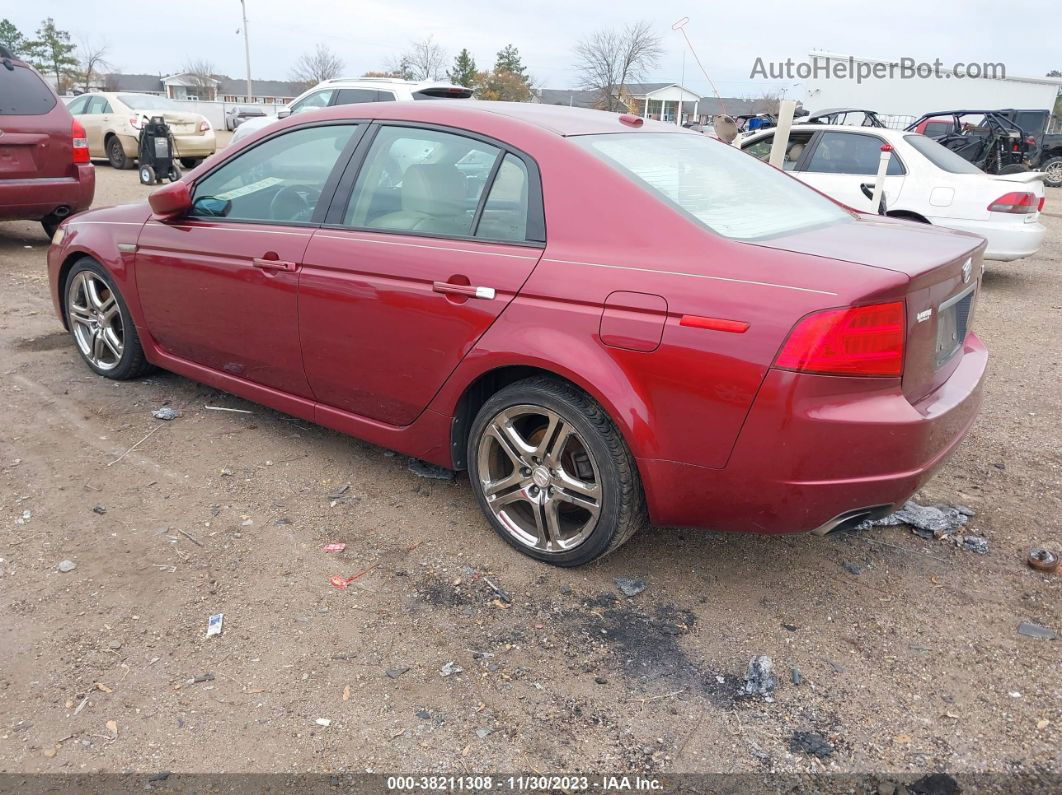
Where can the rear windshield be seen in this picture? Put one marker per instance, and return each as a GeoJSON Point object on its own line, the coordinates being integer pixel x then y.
{"type": "Point", "coordinates": [23, 93]}
{"type": "Point", "coordinates": [940, 156]}
{"type": "Point", "coordinates": [148, 102]}
{"type": "Point", "coordinates": [443, 93]}
{"type": "Point", "coordinates": [719, 186]}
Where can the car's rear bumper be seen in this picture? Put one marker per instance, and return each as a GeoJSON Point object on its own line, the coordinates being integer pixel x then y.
{"type": "Point", "coordinates": [196, 145]}
{"type": "Point", "coordinates": [33, 199]}
{"type": "Point", "coordinates": [1008, 240]}
{"type": "Point", "coordinates": [817, 449]}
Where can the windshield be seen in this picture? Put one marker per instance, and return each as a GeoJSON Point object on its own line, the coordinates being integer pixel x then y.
{"type": "Point", "coordinates": [147, 102]}
{"type": "Point", "coordinates": [940, 156]}
{"type": "Point", "coordinates": [719, 186]}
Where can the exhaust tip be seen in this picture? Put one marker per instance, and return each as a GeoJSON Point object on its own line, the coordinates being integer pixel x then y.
{"type": "Point", "coordinates": [61, 212]}
{"type": "Point", "coordinates": [849, 519]}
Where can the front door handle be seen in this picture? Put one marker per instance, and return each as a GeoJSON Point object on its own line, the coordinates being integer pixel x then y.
{"type": "Point", "coordinates": [465, 290]}
{"type": "Point", "coordinates": [275, 264]}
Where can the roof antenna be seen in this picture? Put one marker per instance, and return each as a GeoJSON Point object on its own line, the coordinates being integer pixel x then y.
{"type": "Point", "coordinates": [680, 26]}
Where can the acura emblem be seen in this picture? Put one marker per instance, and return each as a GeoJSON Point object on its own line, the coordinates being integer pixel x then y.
{"type": "Point", "coordinates": [967, 271]}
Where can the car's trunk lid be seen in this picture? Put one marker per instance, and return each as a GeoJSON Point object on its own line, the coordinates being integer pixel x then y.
{"type": "Point", "coordinates": [943, 268]}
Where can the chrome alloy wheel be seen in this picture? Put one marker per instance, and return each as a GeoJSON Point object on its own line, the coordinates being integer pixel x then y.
{"type": "Point", "coordinates": [95, 320]}
{"type": "Point", "coordinates": [1054, 172]}
{"type": "Point", "coordinates": [539, 478]}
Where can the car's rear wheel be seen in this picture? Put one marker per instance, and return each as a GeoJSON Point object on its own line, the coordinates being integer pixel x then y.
{"type": "Point", "coordinates": [99, 322]}
{"type": "Point", "coordinates": [1052, 168]}
{"type": "Point", "coordinates": [116, 154]}
{"type": "Point", "coordinates": [553, 474]}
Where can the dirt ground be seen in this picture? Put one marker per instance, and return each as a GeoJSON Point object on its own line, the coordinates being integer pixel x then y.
{"type": "Point", "coordinates": [912, 664]}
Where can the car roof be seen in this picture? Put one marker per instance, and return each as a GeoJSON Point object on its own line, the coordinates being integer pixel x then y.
{"type": "Point", "coordinates": [393, 82]}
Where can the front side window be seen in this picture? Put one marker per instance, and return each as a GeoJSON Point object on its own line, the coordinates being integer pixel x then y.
{"type": "Point", "coordinates": [278, 181]}
{"type": "Point", "coordinates": [421, 181]}
{"type": "Point", "coordinates": [317, 100]}
{"type": "Point", "coordinates": [714, 184]}
{"type": "Point", "coordinates": [850, 153]}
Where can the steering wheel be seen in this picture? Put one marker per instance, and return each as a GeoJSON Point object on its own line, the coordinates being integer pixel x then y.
{"type": "Point", "coordinates": [293, 203]}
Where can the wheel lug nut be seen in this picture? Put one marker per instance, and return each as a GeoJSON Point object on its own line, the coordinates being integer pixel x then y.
{"type": "Point", "coordinates": [525, 471]}
{"type": "Point", "coordinates": [534, 491]}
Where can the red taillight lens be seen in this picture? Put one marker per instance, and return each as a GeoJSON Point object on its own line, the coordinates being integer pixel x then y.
{"type": "Point", "coordinates": [1015, 202]}
{"type": "Point", "coordinates": [1040, 206]}
{"type": "Point", "coordinates": [861, 340]}
{"type": "Point", "coordinates": [79, 140]}
{"type": "Point", "coordinates": [204, 126]}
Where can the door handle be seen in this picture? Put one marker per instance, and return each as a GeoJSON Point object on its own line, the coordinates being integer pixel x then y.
{"type": "Point", "coordinates": [275, 264]}
{"type": "Point", "coordinates": [466, 290]}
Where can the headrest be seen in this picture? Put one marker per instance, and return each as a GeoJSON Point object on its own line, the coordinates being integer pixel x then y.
{"type": "Point", "coordinates": [433, 189]}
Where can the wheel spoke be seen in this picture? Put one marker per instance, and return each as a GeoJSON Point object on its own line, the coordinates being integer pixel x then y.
{"type": "Point", "coordinates": [92, 292]}
{"type": "Point", "coordinates": [588, 504]}
{"type": "Point", "coordinates": [110, 339]}
{"type": "Point", "coordinates": [556, 440]}
{"type": "Point", "coordinates": [510, 440]}
{"type": "Point", "coordinates": [493, 487]}
{"type": "Point", "coordinates": [541, 529]}
{"type": "Point", "coordinates": [97, 345]}
{"type": "Point", "coordinates": [80, 315]}
{"type": "Point", "coordinates": [580, 487]}
{"type": "Point", "coordinates": [552, 520]}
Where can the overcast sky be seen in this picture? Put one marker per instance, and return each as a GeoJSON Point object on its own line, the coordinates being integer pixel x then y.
{"type": "Point", "coordinates": [727, 35]}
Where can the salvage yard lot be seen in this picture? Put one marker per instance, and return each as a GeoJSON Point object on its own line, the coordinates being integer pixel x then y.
{"type": "Point", "coordinates": [907, 649]}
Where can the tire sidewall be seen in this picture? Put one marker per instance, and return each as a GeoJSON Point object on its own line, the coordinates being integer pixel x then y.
{"type": "Point", "coordinates": [131, 342]}
{"type": "Point", "coordinates": [608, 519]}
{"type": "Point", "coordinates": [116, 154]}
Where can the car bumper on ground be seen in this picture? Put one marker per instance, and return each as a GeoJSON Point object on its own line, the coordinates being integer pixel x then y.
{"type": "Point", "coordinates": [818, 451]}
{"type": "Point", "coordinates": [1013, 238]}
{"type": "Point", "coordinates": [33, 199]}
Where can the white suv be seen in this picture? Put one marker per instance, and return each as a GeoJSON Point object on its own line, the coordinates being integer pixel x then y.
{"type": "Point", "coordinates": [348, 91]}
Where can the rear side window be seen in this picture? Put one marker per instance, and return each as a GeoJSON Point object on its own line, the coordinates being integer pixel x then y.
{"type": "Point", "coordinates": [354, 96]}
{"type": "Point", "coordinates": [714, 184]}
{"type": "Point", "coordinates": [936, 129]}
{"type": "Point", "coordinates": [850, 153]}
{"type": "Point", "coordinates": [505, 211]}
{"type": "Point", "coordinates": [23, 93]}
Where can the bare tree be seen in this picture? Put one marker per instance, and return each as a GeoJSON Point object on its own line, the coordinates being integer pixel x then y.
{"type": "Point", "coordinates": [317, 66]}
{"type": "Point", "coordinates": [425, 60]}
{"type": "Point", "coordinates": [92, 58]}
{"type": "Point", "coordinates": [609, 59]}
{"type": "Point", "coordinates": [201, 71]}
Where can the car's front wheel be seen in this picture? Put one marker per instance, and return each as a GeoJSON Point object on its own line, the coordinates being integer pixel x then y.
{"type": "Point", "coordinates": [553, 474]}
{"type": "Point", "coordinates": [1052, 168]}
{"type": "Point", "coordinates": [100, 324]}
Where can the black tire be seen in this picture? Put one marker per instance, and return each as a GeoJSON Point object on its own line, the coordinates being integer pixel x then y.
{"type": "Point", "coordinates": [148, 176]}
{"type": "Point", "coordinates": [174, 173]}
{"type": "Point", "coordinates": [132, 363]}
{"type": "Point", "coordinates": [50, 224]}
{"type": "Point", "coordinates": [116, 154]}
{"type": "Point", "coordinates": [191, 162]}
{"type": "Point", "coordinates": [622, 501]}
{"type": "Point", "coordinates": [1014, 168]}
{"type": "Point", "coordinates": [1052, 168]}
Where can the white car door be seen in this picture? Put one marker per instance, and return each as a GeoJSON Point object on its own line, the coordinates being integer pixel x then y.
{"type": "Point", "coordinates": [844, 166]}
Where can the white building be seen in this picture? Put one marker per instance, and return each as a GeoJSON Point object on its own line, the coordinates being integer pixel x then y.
{"type": "Point", "coordinates": [897, 96]}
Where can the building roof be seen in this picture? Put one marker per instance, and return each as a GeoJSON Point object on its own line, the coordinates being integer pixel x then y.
{"type": "Point", "coordinates": [225, 85]}
{"type": "Point", "coordinates": [575, 98]}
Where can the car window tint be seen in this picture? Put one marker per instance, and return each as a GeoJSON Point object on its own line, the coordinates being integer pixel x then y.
{"type": "Point", "coordinates": [850, 153]}
{"type": "Point", "coordinates": [940, 156]}
{"type": "Point", "coordinates": [96, 105]}
{"type": "Point", "coordinates": [353, 96]}
{"type": "Point", "coordinates": [1032, 122]}
{"type": "Point", "coordinates": [105, 106]}
{"type": "Point", "coordinates": [77, 105]}
{"type": "Point", "coordinates": [23, 93]}
{"type": "Point", "coordinates": [385, 96]}
{"type": "Point", "coordinates": [935, 129]}
{"type": "Point", "coordinates": [312, 102]}
{"type": "Point", "coordinates": [421, 181]}
{"type": "Point", "coordinates": [505, 211]}
{"type": "Point", "coordinates": [761, 150]}
{"type": "Point", "coordinates": [277, 181]}
{"type": "Point", "coordinates": [714, 184]}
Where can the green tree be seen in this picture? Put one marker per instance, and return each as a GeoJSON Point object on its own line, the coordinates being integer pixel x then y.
{"type": "Point", "coordinates": [11, 37]}
{"type": "Point", "coordinates": [53, 52]}
{"type": "Point", "coordinates": [509, 61]}
{"type": "Point", "coordinates": [464, 70]}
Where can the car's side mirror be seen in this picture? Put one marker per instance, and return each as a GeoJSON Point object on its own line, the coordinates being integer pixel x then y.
{"type": "Point", "coordinates": [171, 201]}
{"type": "Point", "coordinates": [283, 113]}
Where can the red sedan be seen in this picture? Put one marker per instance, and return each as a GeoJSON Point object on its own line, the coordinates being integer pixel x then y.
{"type": "Point", "coordinates": [606, 321]}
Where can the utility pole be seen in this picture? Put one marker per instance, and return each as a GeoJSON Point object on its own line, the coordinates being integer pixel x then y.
{"type": "Point", "coordinates": [247, 51]}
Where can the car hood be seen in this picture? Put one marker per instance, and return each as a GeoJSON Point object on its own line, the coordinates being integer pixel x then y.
{"type": "Point", "coordinates": [252, 125]}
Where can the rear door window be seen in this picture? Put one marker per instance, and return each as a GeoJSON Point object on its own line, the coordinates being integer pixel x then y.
{"type": "Point", "coordinates": [798, 141]}
{"type": "Point", "coordinates": [354, 96]}
{"type": "Point", "coordinates": [850, 153]}
{"type": "Point", "coordinates": [504, 214]}
{"type": "Point", "coordinates": [23, 93]}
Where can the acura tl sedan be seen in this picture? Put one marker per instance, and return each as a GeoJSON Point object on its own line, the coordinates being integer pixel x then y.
{"type": "Point", "coordinates": [607, 321]}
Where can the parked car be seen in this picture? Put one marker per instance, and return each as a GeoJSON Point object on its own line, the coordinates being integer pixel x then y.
{"type": "Point", "coordinates": [346, 91]}
{"type": "Point", "coordinates": [113, 122]}
{"type": "Point", "coordinates": [1043, 150]}
{"type": "Point", "coordinates": [989, 139]}
{"type": "Point", "coordinates": [238, 114]}
{"type": "Point", "coordinates": [622, 321]}
{"type": "Point", "coordinates": [45, 173]}
{"type": "Point", "coordinates": [925, 182]}
{"type": "Point", "coordinates": [846, 117]}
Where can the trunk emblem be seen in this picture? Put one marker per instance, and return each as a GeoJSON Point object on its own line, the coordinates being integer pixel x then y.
{"type": "Point", "coordinates": [924, 315]}
{"type": "Point", "coordinates": [967, 270]}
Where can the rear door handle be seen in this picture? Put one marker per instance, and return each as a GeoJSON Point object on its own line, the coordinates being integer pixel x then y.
{"type": "Point", "coordinates": [467, 290]}
{"type": "Point", "coordinates": [275, 264]}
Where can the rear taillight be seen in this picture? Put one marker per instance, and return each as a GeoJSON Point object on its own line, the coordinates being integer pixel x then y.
{"type": "Point", "coordinates": [861, 340]}
{"type": "Point", "coordinates": [1040, 206]}
{"type": "Point", "coordinates": [79, 142]}
{"type": "Point", "coordinates": [204, 126]}
{"type": "Point", "coordinates": [1015, 202]}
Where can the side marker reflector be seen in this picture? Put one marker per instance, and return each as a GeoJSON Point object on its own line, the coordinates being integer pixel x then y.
{"type": "Point", "coordinates": [714, 324]}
